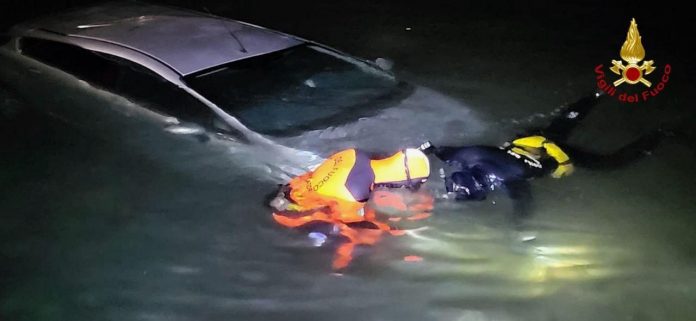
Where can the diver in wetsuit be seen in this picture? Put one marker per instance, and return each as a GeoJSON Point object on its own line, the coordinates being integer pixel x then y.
{"type": "Point", "coordinates": [474, 171]}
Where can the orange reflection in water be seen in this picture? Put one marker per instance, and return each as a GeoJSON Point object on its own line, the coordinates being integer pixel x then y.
{"type": "Point", "coordinates": [365, 228]}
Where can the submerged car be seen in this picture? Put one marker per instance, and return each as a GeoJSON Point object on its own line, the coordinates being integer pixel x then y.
{"type": "Point", "coordinates": [124, 66]}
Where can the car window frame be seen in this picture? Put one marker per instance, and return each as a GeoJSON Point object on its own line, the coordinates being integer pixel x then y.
{"type": "Point", "coordinates": [112, 58]}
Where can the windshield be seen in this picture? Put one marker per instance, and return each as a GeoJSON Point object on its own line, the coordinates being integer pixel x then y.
{"type": "Point", "coordinates": [300, 88]}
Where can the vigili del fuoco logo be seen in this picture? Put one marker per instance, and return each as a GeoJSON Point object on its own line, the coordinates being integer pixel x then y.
{"type": "Point", "coordinates": [633, 73]}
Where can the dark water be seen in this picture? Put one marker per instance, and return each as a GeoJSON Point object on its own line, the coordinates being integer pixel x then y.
{"type": "Point", "coordinates": [92, 229]}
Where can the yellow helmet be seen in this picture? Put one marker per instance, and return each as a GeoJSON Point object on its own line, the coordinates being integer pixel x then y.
{"type": "Point", "coordinates": [408, 167]}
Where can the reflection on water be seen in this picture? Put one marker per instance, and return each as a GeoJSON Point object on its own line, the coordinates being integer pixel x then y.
{"type": "Point", "coordinates": [118, 235]}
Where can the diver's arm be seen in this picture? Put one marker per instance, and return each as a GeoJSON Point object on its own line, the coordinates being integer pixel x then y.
{"type": "Point", "coordinates": [622, 157]}
{"type": "Point", "coordinates": [570, 117]}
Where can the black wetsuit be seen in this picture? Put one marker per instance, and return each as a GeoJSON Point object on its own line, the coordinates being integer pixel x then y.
{"type": "Point", "coordinates": [474, 171]}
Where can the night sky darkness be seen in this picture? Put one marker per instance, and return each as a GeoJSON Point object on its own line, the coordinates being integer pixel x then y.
{"type": "Point", "coordinates": [506, 60]}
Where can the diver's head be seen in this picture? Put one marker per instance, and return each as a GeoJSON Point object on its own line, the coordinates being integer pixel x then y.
{"type": "Point", "coordinates": [408, 168]}
{"type": "Point", "coordinates": [465, 186]}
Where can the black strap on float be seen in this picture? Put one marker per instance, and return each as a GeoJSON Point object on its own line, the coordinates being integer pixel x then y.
{"type": "Point", "coordinates": [408, 172]}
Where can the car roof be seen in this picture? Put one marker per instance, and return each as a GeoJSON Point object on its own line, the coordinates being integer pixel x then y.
{"type": "Point", "coordinates": [186, 41]}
